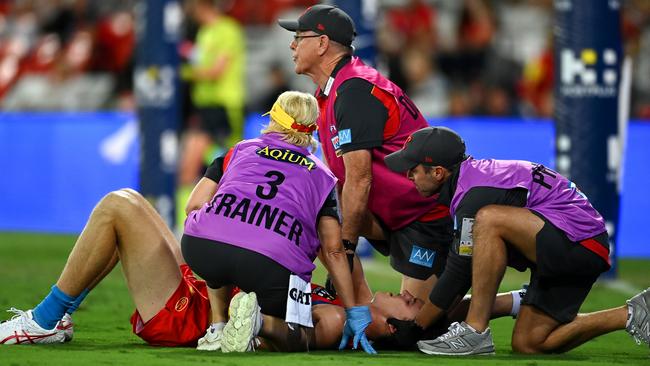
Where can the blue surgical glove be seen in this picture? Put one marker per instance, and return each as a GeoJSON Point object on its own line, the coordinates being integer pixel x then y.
{"type": "Point", "coordinates": [358, 319]}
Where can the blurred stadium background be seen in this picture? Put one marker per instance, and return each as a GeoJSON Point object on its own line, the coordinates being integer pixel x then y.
{"type": "Point", "coordinates": [69, 120]}
{"type": "Point", "coordinates": [71, 117]}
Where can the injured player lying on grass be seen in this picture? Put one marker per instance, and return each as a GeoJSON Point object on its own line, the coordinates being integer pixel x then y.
{"type": "Point", "coordinates": [172, 308]}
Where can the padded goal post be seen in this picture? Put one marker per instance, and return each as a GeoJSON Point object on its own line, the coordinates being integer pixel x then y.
{"type": "Point", "coordinates": [156, 83]}
{"type": "Point", "coordinates": [589, 147]}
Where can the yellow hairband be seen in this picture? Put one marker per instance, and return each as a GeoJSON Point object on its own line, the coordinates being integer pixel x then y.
{"type": "Point", "coordinates": [285, 120]}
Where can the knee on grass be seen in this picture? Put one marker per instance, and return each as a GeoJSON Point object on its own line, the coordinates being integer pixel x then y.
{"type": "Point", "coordinates": [524, 345]}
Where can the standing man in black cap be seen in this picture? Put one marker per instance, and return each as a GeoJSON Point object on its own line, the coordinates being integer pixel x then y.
{"type": "Point", "coordinates": [363, 118]}
{"type": "Point", "coordinates": [508, 212]}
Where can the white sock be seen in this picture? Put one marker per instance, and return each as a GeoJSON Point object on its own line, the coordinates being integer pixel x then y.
{"type": "Point", "coordinates": [516, 303]}
{"type": "Point", "coordinates": [476, 331]}
{"type": "Point", "coordinates": [217, 327]}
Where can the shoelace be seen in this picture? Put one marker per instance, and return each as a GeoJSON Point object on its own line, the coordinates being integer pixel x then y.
{"type": "Point", "coordinates": [65, 322]}
{"type": "Point", "coordinates": [636, 335]}
{"type": "Point", "coordinates": [212, 335]}
{"type": "Point", "coordinates": [454, 330]}
{"type": "Point", "coordinates": [18, 313]}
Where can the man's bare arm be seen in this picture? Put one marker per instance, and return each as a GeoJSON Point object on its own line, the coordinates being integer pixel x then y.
{"type": "Point", "coordinates": [335, 260]}
{"type": "Point", "coordinates": [356, 189]}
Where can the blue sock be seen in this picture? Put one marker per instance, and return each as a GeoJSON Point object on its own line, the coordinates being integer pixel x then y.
{"type": "Point", "coordinates": [77, 301]}
{"type": "Point", "coordinates": [51, 309]}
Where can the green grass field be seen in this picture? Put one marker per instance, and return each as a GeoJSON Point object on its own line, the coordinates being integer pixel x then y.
{"type": "Point", "coordinates": [30, 264]}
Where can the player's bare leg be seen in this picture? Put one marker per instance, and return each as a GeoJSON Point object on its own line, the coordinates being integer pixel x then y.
{"type": "Point", "coordinates": [219, 298]}
{"type": "Point", "coordinates": [503, 306]}
{"type": "Point", "coordinates": [122, 226]}
{"type": "Point", "coordinates": [123, 222]}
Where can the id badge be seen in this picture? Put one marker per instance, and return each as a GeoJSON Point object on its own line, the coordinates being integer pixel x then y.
{"type": "Point", "coordinates": [466, 243]}
{"type": "Point", "coordinates": [299, 302]}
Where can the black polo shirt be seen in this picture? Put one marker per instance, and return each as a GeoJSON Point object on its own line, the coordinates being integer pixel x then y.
{"type": "Point", "coordinates": [367, 111]}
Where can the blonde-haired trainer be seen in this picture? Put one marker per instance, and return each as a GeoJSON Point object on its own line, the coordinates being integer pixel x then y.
{"type": "Point", "coordinates": [294, 114]}
{"type": "Point", "coordinates": [257, 221]}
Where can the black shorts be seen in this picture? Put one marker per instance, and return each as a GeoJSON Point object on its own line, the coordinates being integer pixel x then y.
{"type": "Point", "coordinates": [221, 264]}
{"type": "Point", "coordinates": [564, 273]}
{"type": "Point", "coordinates": [419, 249]}
{"type": "Point", "coordinates": [214, 121]}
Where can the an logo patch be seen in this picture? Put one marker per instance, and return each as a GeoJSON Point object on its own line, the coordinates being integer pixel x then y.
{"type": "Point", "coordinates": [287, 156]}
{"type": "Point", "coordinates": [335, 142]}
{"type": "Point", "coordinates": [345, 136]}
{"type": "Point", "coordinates": [181, 304]}
{"type": "Point", "coordinates": [422, 256]}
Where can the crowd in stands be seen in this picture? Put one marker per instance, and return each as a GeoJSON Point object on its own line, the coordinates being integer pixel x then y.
{"type": "Point", "coordinates": [454, 58]}
{"type": "Point", "coordinates": [65, 54]}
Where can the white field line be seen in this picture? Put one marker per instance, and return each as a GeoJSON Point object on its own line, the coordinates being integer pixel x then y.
{"type": "Point", "coordinates": [383, 270]}
{"type": "Point", "coordinates": [621, 286]}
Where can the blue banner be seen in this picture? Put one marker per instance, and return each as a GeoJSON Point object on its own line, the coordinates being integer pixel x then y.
{"type": "Point", "coordinates": [158, 99]}
{"type": "Point", "coordinates": [56, 166]}
{"type": "Point", "coordinates": [588, 57]}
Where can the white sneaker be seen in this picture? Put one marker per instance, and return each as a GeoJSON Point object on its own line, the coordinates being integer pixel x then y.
{"type": "Point", "coordinates": [22, 329]}
{"type": "Point", "coordinates": [66, 326]}
{"type": "Point", "coordinates": [211, 341]}
{"type": "Point", "coordinates": [244, 324]}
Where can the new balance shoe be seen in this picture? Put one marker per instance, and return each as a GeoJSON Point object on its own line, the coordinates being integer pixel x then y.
{"type": "Point", "coordinates": [638, 325]}
{"type": "Point", "coordinates": [244, 324]}
{"type": "Point", "coordinates": [66, 326]}
{"type": "Point", "coordinates": [211, 341]}
{"type": "Point", "coordinates": [22, 329]}
{"type": "Point", "coordinates": [460, 340]}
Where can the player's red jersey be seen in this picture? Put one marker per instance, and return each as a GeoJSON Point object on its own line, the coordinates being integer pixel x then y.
{"type": "Point", "coordinates": [186, 314]}
{"type": "Point", "coordinates": [184, 318]}
{"type": "Point", "coordinates": [319, 295]}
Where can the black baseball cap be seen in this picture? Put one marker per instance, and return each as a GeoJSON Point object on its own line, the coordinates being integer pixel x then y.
{"type": "Point", "coordinates": [324, 19]}
{"type": "Point", "coordinates": [432, 146]}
